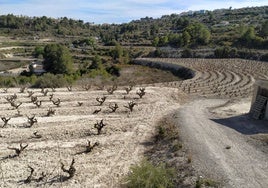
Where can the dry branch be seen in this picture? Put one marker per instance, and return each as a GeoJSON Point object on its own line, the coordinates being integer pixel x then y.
{"type": "Point", "coordinates": [51, 112]}
{"type": "Point", "coordinates": [22, 89]}
{"type": "Point", "coordinates": [18, 150]}
{"type": "Point", "coordinates": [31, 120]}
{"type": "Point", "coordinates": [101, 100]}
{"type": "Point", "coordinates": [51, 96]}
{"type": "Point", "coordinates": [70, 171]}
{"type": "Point", "coordinates": [80, 103]}
{"type": "Point", "coordinates": [43, 175]}
{"type": "Point", "coordinates": [38, 103]}
{"type": "Point", "coordinates": [30, 93]}
{"type": "Point", "coordinates": [45, 92]}
{"type": "Point", "coordinates": [141, 92]}
{"type": "Point", "coordinates": [57, 102]}
{"type": "Point", "coordinates": [128, 89]}
{"type": "Point", "coordinates": [131, 105]}
{"type": "Point", "coordinates": [69, 88]}
{"type": "Point", "coordinates": [33, 98]}
{"type": "Point", "coordinates": [5, 90]}
{"type": "Point", "coordinates": [29, 178]}
{"type": "Point", "coordinates": [99, 126]}
{"type": "Point", "coordinates": [111, 90]}
{"type": "Point", "coordinates": [11, 98]}
{"type": "Point", "coordinates": [36, 135]}
{"type": "Point", "coordinates": [90, 147]}
{"type": "Point", "coordinates": [15, 105]}
{"type": "Point", "coordinates": [5, 120]}
{"type": "Point", "coordinates": [113, 107]}
{"type": "Point", "coordinates": [18, 113]}
{"type": "Point", "coordinates": [97, 111]}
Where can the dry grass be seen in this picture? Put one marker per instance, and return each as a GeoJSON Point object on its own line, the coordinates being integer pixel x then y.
{"type": "Point", "coordinates": [142, 74]}
{"type": "Point", "coordinates": [167, 148]}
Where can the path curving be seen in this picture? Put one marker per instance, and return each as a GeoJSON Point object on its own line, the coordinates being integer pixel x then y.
{"type": "Point", "coordinates": [242, 165]}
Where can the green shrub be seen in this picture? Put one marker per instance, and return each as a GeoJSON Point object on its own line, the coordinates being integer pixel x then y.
{"type": "Point", "coordinates": [98, 73]}
{"type": "Point", "coordinates": [203, 182]}
{"type": "Point", "coordinates": [70, 79]}
{"type": "Point", "coordinates": [166, 130]}
{"type": "Point", "coordinates": [24, 80]}
{"type": "Point", "coordinates": [186, 53]}
{"type": "Point", "coordinates": [147, 175]}
{"type": "Point", "coordinates": [264, 57]}
{"type": "Point", "coordinates": [225, 52]}
{"type": "Point", "coordinates": [7, 81]}
{"type": "Point", "coordinates": [50, 80]}
{"type": "Point", "coordinates": [113, 70]}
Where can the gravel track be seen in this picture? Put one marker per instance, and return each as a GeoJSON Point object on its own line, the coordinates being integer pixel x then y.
{"type": "Point", "coordinates": [219, 151]}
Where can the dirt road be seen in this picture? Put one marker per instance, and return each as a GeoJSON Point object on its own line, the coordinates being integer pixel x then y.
{"type": "Point", "coordinates": [220, 148]}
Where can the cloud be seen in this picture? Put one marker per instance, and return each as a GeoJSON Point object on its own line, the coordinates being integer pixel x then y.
{"type": "Point", "coordinates": [116, 11]}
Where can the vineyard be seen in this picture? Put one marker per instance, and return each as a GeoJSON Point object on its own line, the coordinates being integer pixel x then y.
{"type": "Point", "coordinates": [84, 135]}
{"type": "Point", "coordinates": [87, 135]}
{"type": "Point", "coordinates": [224, 78]}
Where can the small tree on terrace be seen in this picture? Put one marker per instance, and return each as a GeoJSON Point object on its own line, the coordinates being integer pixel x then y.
{"type": "Point", "coordinates": [199, 34]}
{"type": "Point", "coordinates": [57, 59]}
{"type": "Point", "coordinates": [96, 63]}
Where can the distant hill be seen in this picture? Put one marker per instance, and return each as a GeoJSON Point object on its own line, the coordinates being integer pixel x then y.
{"type": "Point", "coordinates": [233, 32]}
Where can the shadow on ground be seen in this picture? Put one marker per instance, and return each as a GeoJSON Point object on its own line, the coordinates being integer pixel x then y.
{"type": "Point", "coordinates": [244, 124]}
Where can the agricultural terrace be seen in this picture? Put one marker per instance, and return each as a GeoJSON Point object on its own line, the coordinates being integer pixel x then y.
{"type": "Point", "coordinates": [44, 130]}
{"type": "Point", "coordinates": [225, 78]}
{"type": "Point", "coordinates": [82, 135]}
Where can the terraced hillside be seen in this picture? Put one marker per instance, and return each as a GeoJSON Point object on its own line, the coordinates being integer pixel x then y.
{"type": "Point", "coordinates": [37, 144]}
{"type": "Point", "coordinates": [225, 78]}
{"type": "Point", "coordinates": [59, 138]}
{"type": "Point", "coordinates": [215, 124]}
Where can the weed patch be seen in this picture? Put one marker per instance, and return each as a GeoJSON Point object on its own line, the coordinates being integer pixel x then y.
{"type": "Point", "coordinates": [148, 175]}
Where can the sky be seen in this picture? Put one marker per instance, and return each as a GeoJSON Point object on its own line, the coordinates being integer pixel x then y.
{"type": "Point", "coordinates": [115, 11]}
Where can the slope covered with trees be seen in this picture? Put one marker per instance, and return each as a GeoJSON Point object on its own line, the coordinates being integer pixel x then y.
{"type": "Point", "coordinates": [77, 49]}
{"type": "Point", "coordinates": [246, 27]}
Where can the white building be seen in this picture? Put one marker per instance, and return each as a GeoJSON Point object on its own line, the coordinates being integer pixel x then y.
{"type": "Point", "coordinates": [37, 68]}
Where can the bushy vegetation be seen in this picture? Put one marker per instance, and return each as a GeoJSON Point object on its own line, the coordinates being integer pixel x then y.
{"type": "Point", "coordinates": [50, 81]}
{"type": "Point", "coordinates": [245, 27]}
{"type": "Point", "coordinates": [84, 50]}
{"type": "Point", "coordinates": [57, 59]}
{"type": "Point", "coordinates": [204, 182]}
{"type": "Point", "coordinates": [148, 175]}
{"type": "Point", "coordinates": [10, 81]}
{"type": "Point", "coordinates": [166, 131]}
{"type": "Point", "coordinates": [226, 52]}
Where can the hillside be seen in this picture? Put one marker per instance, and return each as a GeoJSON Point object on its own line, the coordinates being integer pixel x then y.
{"type": "Point", "coordinates": [240, 28]}
{"type": "Point", "coordinates": [111, 95]}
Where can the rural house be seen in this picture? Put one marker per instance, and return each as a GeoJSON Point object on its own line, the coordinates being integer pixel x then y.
{"type": "Point", "coordinates": [37, 68]}
{"type": "Point", "coordinates": [259, 104]}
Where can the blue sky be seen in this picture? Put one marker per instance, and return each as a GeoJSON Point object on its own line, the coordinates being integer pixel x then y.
{"type": "Point", "coordinates": [115, 11]}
